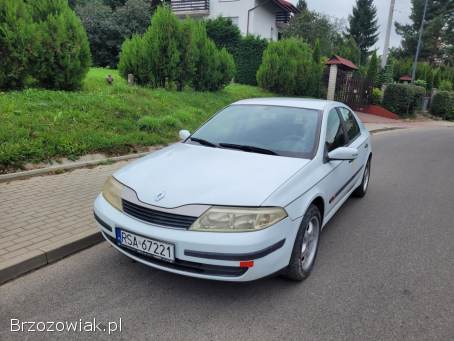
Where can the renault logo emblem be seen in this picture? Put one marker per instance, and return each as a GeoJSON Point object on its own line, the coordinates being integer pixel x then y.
{"type": "Point", "coordinates": [160, 196]}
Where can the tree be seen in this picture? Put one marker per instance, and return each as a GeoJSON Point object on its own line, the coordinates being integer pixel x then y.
{"type": "Point", "coordinates": [301, 5]}
{"type": "Point", "coordinates": [438, 35]}
{"type": "Point", "coordinates": [347, 48]}
{"type": "Point", "coordinates": [312, 26]}
{"type": "Point", "coordinates": [316, 53]}
{"type": "Point", "coordinates": [108, 28]}
{"type": "Point", "coordinates": [63, 56]}
{"type": "Point", "coordinates": [372, 70]}
{"type": "Point", "coordinates": [16, 44]}
{"type": "Point", "coordinates": [104, 32]}
{"type": "Point", "coordinates": [363, 27]}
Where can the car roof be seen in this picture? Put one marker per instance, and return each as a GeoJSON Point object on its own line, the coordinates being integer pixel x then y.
{"type": "Point", "coordinates": [307, 103]}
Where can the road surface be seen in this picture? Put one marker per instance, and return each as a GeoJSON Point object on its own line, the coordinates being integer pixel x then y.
{"type": "Point", "coordinates": [385, 271]}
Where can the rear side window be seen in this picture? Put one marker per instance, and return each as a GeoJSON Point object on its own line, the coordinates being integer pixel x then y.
{"type": "Point", "coordinates": [351, 125]}
{"type": "Point", "coordinates": [335, 136]}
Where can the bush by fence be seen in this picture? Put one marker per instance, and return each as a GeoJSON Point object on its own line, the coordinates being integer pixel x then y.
{"type": "Point", "coordinates": [288, 68]}
{"type": "Point", "coordinates": [443, 105]}
{"type": "Point", "coordinates": [176, 53]}
{"type": "Point", "coordinates": [403, 99]}
{"type": "Point", "coordinates": [41, 42]}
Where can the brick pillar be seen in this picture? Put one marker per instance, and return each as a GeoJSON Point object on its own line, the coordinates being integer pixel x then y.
{"type": "Point", "coordinates": [332, 82]}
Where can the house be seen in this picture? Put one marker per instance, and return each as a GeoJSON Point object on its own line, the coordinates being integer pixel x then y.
{"type": "Point", "coordinates": [264, 18]}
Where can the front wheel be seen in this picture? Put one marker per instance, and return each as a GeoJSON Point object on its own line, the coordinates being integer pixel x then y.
{"type": "Point", "coordinates": [362, 189]}
{"type": "Point", "coordinates": [306, 245]}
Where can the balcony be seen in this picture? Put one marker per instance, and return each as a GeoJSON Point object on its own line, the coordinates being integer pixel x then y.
{"type": "Point", "coordinates": [282, 19]}
{"type": "Point", "coordinates": [184, 8]}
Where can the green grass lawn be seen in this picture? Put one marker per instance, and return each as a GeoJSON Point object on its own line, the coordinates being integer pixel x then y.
{"type": "Point", "coordinates": [40, 125]}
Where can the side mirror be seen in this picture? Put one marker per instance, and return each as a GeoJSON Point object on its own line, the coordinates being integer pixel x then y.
{"type": "Point", "coordinates": [343, 153]}
{"type": "Point", "coordinates": [184, 134]}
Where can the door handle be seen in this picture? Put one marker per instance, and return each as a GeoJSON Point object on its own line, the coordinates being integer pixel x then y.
{"type": "Point", "coordinates": [366, 145]}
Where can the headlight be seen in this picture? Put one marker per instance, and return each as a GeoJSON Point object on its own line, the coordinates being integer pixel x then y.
{"type": "Point", "coordinates": [112, 192]}
{"type": "Point", "coordinates": [237, 219]}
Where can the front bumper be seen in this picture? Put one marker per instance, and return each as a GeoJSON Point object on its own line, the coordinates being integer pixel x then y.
{"type": "Point", "coordinates": [208, 255]}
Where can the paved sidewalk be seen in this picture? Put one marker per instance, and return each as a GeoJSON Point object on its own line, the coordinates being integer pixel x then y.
{"type": "Point", "coordinates": [41, 216]}
{"type": "Point", "coordinates": [45, 218]}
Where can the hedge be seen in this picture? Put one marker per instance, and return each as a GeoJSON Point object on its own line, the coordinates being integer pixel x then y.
{"type": "Point", "coordinates": [443, 104]}
{"type": "Point", "coordinates": [403, 99]}
{"type": "Point", "coordinates": [248, 59]}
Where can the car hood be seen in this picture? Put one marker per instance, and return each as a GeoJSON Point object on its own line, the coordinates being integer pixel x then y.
{"type": "Point", "coordinates": [185, 174]}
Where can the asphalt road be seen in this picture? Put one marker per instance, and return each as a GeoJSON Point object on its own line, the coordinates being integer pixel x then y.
{"type": "Point", "coordinates": [385, 271]}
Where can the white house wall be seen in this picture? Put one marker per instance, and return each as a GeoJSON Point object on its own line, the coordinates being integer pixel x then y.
{"type": "Point", "coordinates": [263, 21]}
{"type": "Point", "coordinates": [232, 9]}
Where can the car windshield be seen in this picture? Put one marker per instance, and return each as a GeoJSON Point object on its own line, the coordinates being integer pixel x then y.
{"type": "Point", "coordinates": [275, 130]}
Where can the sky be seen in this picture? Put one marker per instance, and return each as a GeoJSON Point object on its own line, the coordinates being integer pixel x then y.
{"type": "Point", "coordinates": [342, 8]}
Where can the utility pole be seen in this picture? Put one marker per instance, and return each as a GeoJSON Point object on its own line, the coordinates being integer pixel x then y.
{"type": "Point", "coordinates": [418, 48]}
{"type": "Point", "coordinates": [384, 58]}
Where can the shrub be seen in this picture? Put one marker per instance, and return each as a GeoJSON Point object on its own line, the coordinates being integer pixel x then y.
{"type": "Point", "coordinates": [377, 96]}
{"type": "Point", "coordinates": [248, 59]}
{"type": "Point", "coordinates": [187, 48]}
{"type": "Point", "coordinates": [63, 57]}
{"type": "Point", "coordinates": [213, 68]}
{"type": "Point", "coordinates": [161, 46]}
{"type": "Point", "coordinates": [445, 85]}
{"type": "Point", "coordinates": [226, 68]}
{"type": "Point", "coordinates": [418, 94]}
{"type": "Point", "coordinates": [421, 82]}
{"type": "Point", "coordinates": [176, 52]}
{"type": "Point", "coordinates": [443, 104]}
{"type": "Point", "coordinates": [288, 68]}
{"type": "Point", "coordinates": [133, 60]}
{"type": "Point", "coordinates": [399, 98]}
{"type": "Point", "coordinates": [16, 44]}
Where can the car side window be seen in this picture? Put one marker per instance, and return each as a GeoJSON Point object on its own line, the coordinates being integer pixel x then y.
{"type": "Point", "coordinates": [351, 126]}
{"type": "Point", "coordinates": [335, 136]}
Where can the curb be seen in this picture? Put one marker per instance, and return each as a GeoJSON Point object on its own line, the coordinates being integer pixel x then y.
{"type": "Point", "coordinates": [35, 259]}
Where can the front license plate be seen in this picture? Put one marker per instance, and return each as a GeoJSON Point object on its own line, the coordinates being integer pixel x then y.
{"type": "Point", "coordinates": [145, 245]}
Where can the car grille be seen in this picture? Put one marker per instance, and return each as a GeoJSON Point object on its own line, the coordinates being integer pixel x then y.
{"type": "Point", "coordinates": [158, 217]}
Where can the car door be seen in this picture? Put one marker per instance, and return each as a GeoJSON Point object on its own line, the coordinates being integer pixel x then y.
{"type": "Point", "coordinates": [355, 140]}
{"type": "Point", "coordinates": [339, 172]}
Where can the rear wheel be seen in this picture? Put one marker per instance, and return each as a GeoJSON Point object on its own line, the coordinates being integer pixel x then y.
{"type": "Point", "coordinates": [305, 247]}
{"type": "Point", "coordinates": [362, 189]}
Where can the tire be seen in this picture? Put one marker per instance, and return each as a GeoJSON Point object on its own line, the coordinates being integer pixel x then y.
{"type": "Point", "coordinates": [362, 189]}
{"type": "Point", "coordinates": [299, 268]}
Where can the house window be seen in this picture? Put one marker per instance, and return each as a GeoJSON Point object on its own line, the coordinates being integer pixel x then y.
{"type": "Point", "coordinates": [235, 21]}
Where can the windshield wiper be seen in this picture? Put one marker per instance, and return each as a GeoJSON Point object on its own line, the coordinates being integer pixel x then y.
{"type": "Point", "coordinates": [247, 148]}
{"type": "Point", "coordinates": [203, 142]}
